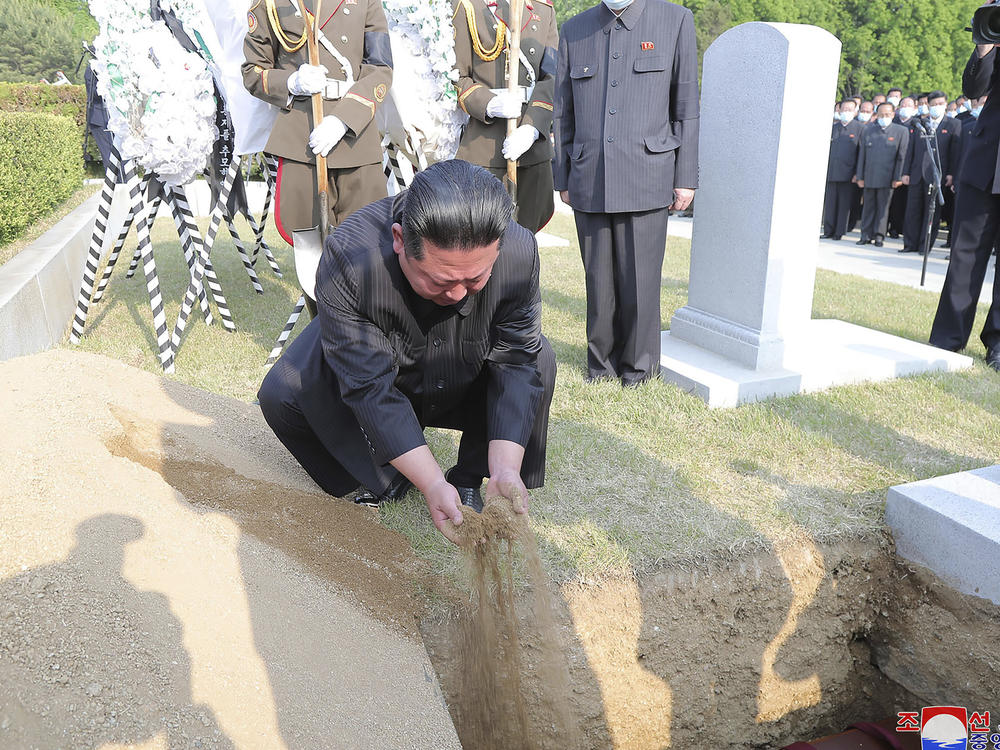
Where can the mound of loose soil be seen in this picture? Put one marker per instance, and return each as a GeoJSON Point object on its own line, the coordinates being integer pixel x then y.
{"type": "Point", "coordinates": [169, 577]}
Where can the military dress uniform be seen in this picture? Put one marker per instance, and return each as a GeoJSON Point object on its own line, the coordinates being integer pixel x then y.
{"type": "Point", "coordinates": [626, 136]}
{"type": "Point", "coordinates": [920, 169]}
{"type": "Point", "coordinates": [482, 39]}
{"type": "Point", "coordinates": [275, 47]}
{"type": "Point", "coordinates": [880, 165]}
{"type": "Point", "coordinates": [845, 141]}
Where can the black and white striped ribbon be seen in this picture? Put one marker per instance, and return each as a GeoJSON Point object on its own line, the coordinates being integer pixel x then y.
{"type": "Point", "coordinates": [187, 230]}
{"type": "Point", "coordinates": [96, 246]}
{"type": "Point", "coordinates": [279, 345]}
{"type": "Point", "coordinates": [153, 207]}
{"type": "Point", "coordinates": [203, 262]}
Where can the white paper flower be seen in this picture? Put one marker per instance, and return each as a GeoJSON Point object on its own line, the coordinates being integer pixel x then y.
{"type": "Point", "coordinates": [161, 100]}
{"type": "Point", "coordinates": [423, 49]}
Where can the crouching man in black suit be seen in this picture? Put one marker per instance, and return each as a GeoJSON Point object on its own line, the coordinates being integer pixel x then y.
{"type": "Point", "coordinates": [429, 314]}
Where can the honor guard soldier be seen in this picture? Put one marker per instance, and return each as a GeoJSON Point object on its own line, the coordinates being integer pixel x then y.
{"type": "Point", "coordinates": [482, 47]}
{"type": "Point", "coordinates": [354, 77]}
{"type": "Point", "coordinates": [880, 169]}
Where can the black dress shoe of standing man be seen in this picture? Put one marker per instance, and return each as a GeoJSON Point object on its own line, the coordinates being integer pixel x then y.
{"type": "Point", "coordinates": [993, 358]}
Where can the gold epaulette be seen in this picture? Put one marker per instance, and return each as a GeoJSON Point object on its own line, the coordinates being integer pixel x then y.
{"type": "Point", "coordinates": [289, 45]}
{"type": "Point", "coordinates": [486, 55]}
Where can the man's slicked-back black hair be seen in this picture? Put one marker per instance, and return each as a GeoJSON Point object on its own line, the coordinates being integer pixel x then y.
{"type": "Point", "coordinates": [455, 205]}
{"type": "Point", "coordinates": [937, 95]}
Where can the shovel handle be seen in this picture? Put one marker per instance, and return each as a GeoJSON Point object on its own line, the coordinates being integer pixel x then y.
{"type": "Point", "coordinates": [322, 179]}
{"type": "Point", "coordinates": [513, 71]}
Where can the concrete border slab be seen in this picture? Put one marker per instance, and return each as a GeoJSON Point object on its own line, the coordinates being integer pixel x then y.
{"type": "Point", "coordinates": [951, 525]}
{"type": "Point", "coordinates": [38, 286]}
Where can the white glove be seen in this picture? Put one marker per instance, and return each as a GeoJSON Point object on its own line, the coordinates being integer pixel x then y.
{"type": "Point", "coordinates": [307, 80]}
{"type": "Point", "coordinates": [327, 135]}
{"type": "Point", "coordinates": [519, 141]}
{"type": "Point", "coordinates": [505, 106]}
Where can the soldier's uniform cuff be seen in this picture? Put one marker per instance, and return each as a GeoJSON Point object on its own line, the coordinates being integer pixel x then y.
{"type": "Point", "coordinates": [474, 101]}
{"type": "Point", "coordinates": [539, 114]}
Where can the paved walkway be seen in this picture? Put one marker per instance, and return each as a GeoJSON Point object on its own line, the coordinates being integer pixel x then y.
{"type": "Point", "coordinates": [868, 261]}
{"type": "Point", "coordinates": [878, 263]}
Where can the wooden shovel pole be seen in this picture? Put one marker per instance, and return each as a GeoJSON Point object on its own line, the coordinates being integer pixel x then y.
{"type": "Point", "coordinates": [322, 184]}
{"type": "Point", "coordinates": [513, 70]}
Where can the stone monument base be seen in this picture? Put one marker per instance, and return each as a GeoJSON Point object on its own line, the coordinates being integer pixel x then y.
{"type": "Point", "coordinates": [824, 353]}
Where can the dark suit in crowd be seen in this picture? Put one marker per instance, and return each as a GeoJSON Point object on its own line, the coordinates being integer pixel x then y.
{"type": "Point", "coordinates": [845, 141]}
{"type": "Point", "coordinates": [626, 135]}
{"type": "Point", "coordinates": [947, 142]}
{"type": "Point", "coordinates": [897, 206]}
{"type": "Point", "coordinates": [977, 219]}
{"type": "Point", "coordinates": [379, 363]}
{"type": "Point", "coordinates": [880, 164]}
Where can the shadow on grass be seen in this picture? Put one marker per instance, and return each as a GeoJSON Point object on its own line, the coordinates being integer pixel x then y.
{"type": "Point", "coordinates": [869, 440]}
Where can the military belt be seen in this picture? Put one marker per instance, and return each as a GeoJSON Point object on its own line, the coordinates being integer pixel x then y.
{"type": "Point", "coordinates": [524, 93]}
{"type": "Point", "coordinates": [336, 89]}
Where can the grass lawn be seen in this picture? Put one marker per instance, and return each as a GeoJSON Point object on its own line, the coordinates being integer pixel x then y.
{"type": "Point", "coordinates": [641, 478]}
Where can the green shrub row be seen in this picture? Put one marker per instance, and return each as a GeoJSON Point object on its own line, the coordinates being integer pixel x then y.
{"type": "Point", "coordinates": [68, 101]}
{"type": "Point", "coordinates": [40, 167]}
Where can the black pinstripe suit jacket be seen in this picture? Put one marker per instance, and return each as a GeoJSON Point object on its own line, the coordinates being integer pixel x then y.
{"type": "Point", "coordinates": [626, 124]}
{"type": "Point", "coordinates": [401, 362]}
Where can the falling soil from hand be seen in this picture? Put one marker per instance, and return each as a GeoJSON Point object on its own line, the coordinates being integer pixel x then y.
{"type": "Point", "coordinates": [492, 708]}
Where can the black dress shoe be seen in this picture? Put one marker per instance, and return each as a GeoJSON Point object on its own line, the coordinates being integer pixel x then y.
{"type": "Point", "coordinates": [826, 236]}
{"type": "Point", "coordinates": [993, 358]}
{"type": "Point", "coordinates": [879, 243]}
{"type": "Point", "coordinates": [395, 491]}
{"type": "Point", "coordinates": [471, 497]}
{"type": "Point", "coordinates": [904, 250]}
{"type": "Point", "coordinates": [863, 241]}
{"type": "Point", "coordinates": [894, 235]}
{"type": "Point", "coordinates": [838, 238]}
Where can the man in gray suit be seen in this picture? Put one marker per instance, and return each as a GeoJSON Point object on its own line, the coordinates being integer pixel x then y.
{"type": "Point", "coordinates": [880, 169]}
{"type": "Point", "coordinates": [626, 137]}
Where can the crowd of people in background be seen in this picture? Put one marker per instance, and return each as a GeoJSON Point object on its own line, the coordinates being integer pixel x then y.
{"type": "Point", "coordinates": [887, 155]}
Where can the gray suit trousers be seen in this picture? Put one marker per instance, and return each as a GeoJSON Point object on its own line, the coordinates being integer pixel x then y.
{"type": "Point", "coordinates": [875, 215]}
{"type": "Point", "coordinates": [622, 259]}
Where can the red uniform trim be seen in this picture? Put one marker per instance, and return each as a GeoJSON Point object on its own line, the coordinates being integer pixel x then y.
{"type": "Point", "coordinates": [277, 203]}
{"type": "Point", "coordinates": [323, 25]}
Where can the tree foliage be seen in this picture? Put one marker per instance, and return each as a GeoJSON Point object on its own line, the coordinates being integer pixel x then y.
{"type": "Point", "coordinates": [39, 37]}
{"type": "Point", "coordinates": [915, 45]}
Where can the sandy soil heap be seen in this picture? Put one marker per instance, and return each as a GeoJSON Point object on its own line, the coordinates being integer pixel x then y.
{"type": "Point", "coordinates": [170, 578]}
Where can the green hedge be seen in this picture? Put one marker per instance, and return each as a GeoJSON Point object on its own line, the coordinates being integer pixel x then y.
{"type": "Point", "coordinates": [40, 167]}
{"type": "Point", "coordinates": [68, 101]}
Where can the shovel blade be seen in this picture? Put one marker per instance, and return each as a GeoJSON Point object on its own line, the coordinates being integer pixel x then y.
{"type": "Point", "coordinates": [307, 248]}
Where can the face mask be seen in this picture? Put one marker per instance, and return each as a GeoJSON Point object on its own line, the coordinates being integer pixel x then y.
{"type": "Point", "coordinates": [937, 112]}
{"type": "Point", "coordinates": [922, 109]}
{"type": "Point", "coordinates": [864, 116]}
{"type": "Point", "coordinates": [906, 112]}
{"type": "Point", "coordinates": [846, 116]}
{"type": "Point", "coordinates": [885, 122]}
{"type": "Point", "coordinates": [893, 100]}
{"type": "Point", "coordinates": [976, 112]}
{"type": "Point", "coordinates": [617, 4]}
{"type": "Point", "coordinates": [952, 112]}
{"type": "Point", "coordinates": [966, 107]}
